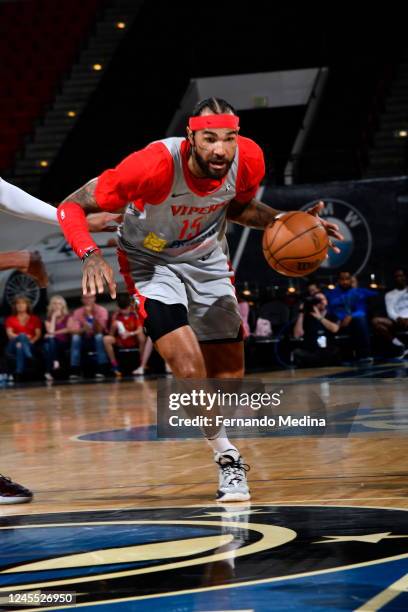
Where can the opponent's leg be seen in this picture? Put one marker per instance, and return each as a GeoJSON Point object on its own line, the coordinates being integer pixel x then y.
{"type": "Point", "coordinates": [12, 492]}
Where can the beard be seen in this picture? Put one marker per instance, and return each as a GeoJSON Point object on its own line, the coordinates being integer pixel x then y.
{"type": "Point", "coordinates": [207, 170]}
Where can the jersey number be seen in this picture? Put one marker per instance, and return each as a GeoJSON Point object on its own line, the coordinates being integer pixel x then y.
{"type": "Point", "coordinates": [194, 225]}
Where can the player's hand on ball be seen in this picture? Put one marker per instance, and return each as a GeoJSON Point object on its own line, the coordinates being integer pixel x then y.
{"type": "Point", "coordinates": [95, 273]}
{"type": "Point", "coordinates": [331, 228]}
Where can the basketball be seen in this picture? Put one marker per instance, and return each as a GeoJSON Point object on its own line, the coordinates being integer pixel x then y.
{"type": "Point", "coordinates": [295, 244]}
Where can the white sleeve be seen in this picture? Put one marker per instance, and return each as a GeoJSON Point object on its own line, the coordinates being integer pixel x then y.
{"type": "Point", "coordinates": [390, 299]}
{"type": "Point", "coordinates": [21, 204]}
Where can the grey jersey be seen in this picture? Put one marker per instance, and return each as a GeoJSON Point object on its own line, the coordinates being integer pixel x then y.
{"type": "Point", "coordinates": [185, 226]}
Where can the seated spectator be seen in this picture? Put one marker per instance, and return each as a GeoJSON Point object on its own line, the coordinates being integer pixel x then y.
{"type": "Point", "coordinates": [23, 331]}
{"type": "Point", "coordinates": [396, 304]}
{"type": "Point", "coordinates": [88, 325]}
{"type": "Point", "coordinates": [349, 306]}
{"type": "Point", "coordinates": [312, 288]}
{"type": "Point", "coordinates": [273, 315]}
{"type": "Point", "coordinates": [57, 338]}
{"type": "Point", "coordinates": [244, 311]}
{"type": "Point", "coordinates": [317, 328]}
{"type": "Point", "coordinates": [126, 331]}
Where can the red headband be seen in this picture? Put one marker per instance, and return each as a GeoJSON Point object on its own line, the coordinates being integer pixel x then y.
{"type": "Point", "coordinates": [204, 122]}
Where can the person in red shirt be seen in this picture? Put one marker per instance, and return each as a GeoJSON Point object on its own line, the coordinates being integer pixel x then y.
{"type": "Point", "coordinates": [177, 195]}
{"type": "Point", "coordinates": [23, 331]}
{"type": "Point", "coordinates": [126, 331]}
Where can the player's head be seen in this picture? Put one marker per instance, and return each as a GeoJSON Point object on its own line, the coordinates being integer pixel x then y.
{"type": "Point", "coordinates": [213, 135]}
{"type": "Point", "coordinates": [400, 278]}
{"type": "Point", "coordinates": [345, 280]}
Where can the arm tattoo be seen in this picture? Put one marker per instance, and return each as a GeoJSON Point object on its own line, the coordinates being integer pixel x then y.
{"type": "Point", "coordinates": [254, 214]}
{"type": "Point", "coordinates": [85, 197]}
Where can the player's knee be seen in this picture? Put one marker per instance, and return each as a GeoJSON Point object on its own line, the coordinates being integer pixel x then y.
{"type": "Point", "coordinates": [186, 366]}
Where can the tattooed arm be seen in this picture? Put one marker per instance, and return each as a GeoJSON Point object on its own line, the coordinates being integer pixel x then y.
{"type": "Point", "coordinates": [258, 215]}
{"type": "Point", "coordinates": [84, 196]}
{"type": "Point", "coordinates": [97, 221]}
{"type": "Point", "coordinates": [254, 214]}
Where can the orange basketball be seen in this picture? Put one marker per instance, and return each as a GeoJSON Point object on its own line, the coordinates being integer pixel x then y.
{"type": "Point", "coordinates": [295, 244]}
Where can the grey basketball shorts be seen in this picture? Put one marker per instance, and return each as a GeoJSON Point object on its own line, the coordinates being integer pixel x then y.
{"type": "Point", "coordinates": [204, 286]}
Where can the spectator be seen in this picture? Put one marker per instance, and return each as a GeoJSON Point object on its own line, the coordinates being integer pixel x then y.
{"type": "Point", "coordinates": [349, 306]}
{"type": "Point", "coordinates": [317, 328]}
{"type": "Point", "coordinates": [126, 331]}
{"type": "Point", "coordinates": [57, 338]}
{"type": "Point", "coordinates": [312, 288]}
{"type": "Point", "coordinates": [273, 314]}
{"type": "Point", "coordinates": [354, 281]}
{"type": "Point", "coordinates": [244, 311]}
{"type": "Point", "coordinates": [396, 304]}
{"type": "Point", "coordinates": [23, 331]}
{"type": "Point", "coordinates": [88, 325]}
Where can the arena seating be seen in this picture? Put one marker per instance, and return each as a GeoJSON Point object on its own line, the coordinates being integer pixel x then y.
{"type": "Point", "coordinates": [40, 42]}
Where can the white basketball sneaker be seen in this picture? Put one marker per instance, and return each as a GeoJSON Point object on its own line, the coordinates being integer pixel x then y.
{"type": "Point", "coordinates": [233, 484]}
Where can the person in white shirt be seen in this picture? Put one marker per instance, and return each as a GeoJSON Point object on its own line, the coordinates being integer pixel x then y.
{"type": "Point", "coordinates": [396, 304]}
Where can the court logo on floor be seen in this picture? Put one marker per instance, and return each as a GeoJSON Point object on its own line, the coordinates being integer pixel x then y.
{"type": "Point", "coordinates": [133, 554]}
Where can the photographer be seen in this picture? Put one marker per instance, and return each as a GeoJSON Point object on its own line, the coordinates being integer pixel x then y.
{"type": "Point", "coordinates": [317, 329]}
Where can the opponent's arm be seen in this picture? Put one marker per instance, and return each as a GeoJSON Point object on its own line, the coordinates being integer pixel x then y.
{"type": "Point", "coordinates": [17, 202]}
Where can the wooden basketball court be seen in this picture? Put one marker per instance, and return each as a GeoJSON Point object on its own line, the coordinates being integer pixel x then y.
{"type": "Point", "coordinates": [326, 527]}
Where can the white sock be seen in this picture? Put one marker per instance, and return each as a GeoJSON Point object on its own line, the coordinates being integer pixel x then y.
{"type": "Point", "coordinates": [397, 342]}
{"type": "Point", "coordinates": [220, 444]}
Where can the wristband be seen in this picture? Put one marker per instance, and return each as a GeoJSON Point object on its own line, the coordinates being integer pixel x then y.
{"type": "Point", "coordinates": [89, 252]}
{"type": "Point", "coordinates": [73, 223]}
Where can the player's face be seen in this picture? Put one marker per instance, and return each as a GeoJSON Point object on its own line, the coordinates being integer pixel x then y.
{"type": "Point", "coordinates": [345, 280]}
{"type": "Point", "coordinates": [214, 151]}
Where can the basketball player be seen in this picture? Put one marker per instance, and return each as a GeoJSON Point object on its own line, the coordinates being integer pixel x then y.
{"type": "Point", "coordinates": [178, 194]}
{"type": "Point", "coordinates": [19, 203]}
